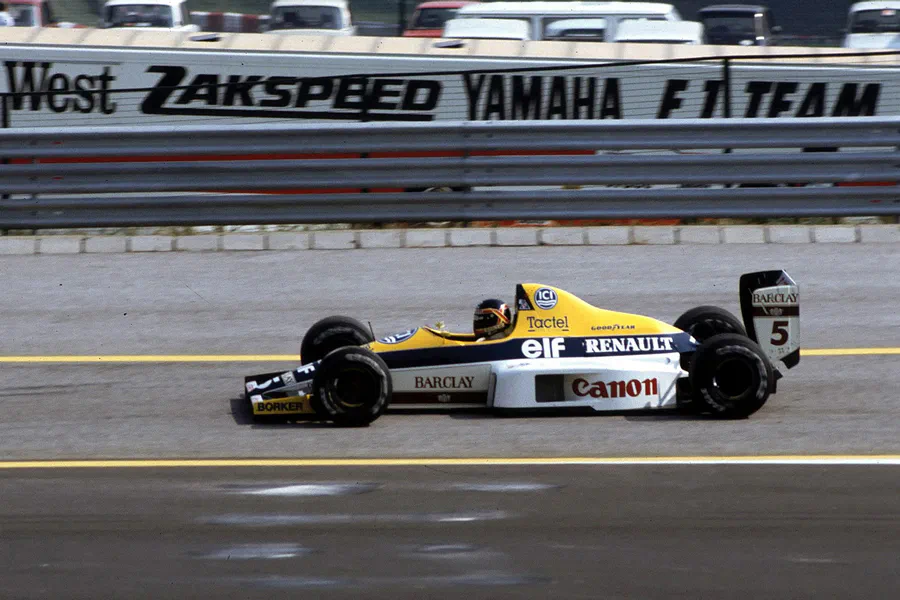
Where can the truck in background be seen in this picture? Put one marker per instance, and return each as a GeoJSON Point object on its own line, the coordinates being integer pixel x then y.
{"type": "Point", "coordinates": [739, 25]}
{"type": "Point", "coordinates": [311, 17]}
{"type": "Point", "coordinates": [541, 15]}
{"type": "Point", "coordinates": [873, 25]}
{"type": "Point", "coordinates": [171, 15]}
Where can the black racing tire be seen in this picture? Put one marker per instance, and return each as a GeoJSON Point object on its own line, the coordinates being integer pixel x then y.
{"type": "Point", "coordinates": [730, 376]}
{"type": "Point", "coordinates": [352, 387]}
{"type": "Point", "coordinates": [332, 333]}
{"type": "Point", "coordinates": [703, 322]}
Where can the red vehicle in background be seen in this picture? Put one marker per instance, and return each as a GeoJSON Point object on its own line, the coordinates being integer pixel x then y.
{"type": "Point", "coordinates": [429, 18]}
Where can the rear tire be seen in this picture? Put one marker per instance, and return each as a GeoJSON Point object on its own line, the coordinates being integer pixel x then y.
{"type": "Point", "coordinates": [332, 333]}
{"type": "Point", "coordinates": [730, 376]}
{"type": "Point", "coordinates": [703, 322]}
{"type": "Point", "coordinates": [352, 387]}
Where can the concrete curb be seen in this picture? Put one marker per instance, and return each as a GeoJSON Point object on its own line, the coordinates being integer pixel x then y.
{"type": "Point", "coordinates": [454, 238]}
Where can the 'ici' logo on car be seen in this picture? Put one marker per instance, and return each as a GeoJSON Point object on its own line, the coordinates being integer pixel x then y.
{"type": "Point", "coordinates": [545, 298]}
{"type": "Point", "coordinates": [615, 389]}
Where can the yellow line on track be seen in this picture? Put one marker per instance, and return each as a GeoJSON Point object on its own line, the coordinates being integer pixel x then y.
{"type": "Point", "coordinates": [884, 459]}
{"type": "Point", "coordinates": [238, 358]}
{"type": "Point", "coordinates": [849, 351]}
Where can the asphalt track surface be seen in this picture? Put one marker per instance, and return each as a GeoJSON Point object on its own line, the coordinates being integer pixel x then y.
{"type": "Point", "coordinates": [483, 530]}
{"type": "Point", "coordinates": [256, 303]}
{"type": "Point", "coordinates": [479, 532]}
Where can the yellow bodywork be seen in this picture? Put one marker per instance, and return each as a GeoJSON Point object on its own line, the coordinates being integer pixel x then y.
{"type": "Point", "coordinates": [570, 317]}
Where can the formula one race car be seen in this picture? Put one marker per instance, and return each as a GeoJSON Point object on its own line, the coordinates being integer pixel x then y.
{"type": "Point", "coordinates": [560, 353]}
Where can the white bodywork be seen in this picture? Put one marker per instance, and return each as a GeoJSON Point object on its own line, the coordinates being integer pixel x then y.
{"type": "Point", "coordinates": [487, 29]}
{"type": "Point", "coordinates": [540, 15]}
{"type": "Point", "coordinates": [601, 384]}
{"type": "Point", "coordinates": [173, 12]}
{"type": "Point", "coordinates": [338, 14]}
{"type": "Point", "coordinates": [608, 384]}
{"type": "Point", "coordinates": [661, 32]}
{"type": "Point", "coordinates": [873, 40]}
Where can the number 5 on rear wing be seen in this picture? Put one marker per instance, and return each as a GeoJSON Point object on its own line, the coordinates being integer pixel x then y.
{"type": "Point", "coordinates": [770, 307]}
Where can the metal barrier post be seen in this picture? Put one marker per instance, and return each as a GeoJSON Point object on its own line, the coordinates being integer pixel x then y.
{"type": "Point", "coordinates": [726, 92]}
{"type": "Point", "coordinates": [364, 116]}
{"type": "Point", "coordinates": [401, 16]}
{"type": "Point", "coordinates": [726, 84]}
{"type": "Point", "coordinates": [6, 124]}
{"type": "Point", "coordinates": [5, 109]}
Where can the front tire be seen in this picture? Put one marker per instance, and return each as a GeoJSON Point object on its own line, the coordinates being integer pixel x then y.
{"type": "Point", "coordinates": [352, 387]}
{"type": "Point", "coordinates": [730, 376]}
{"type": "Point", "coordinates": [332, 333]}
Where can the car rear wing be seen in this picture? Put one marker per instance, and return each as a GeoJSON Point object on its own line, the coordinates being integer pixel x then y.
{"type": "Point", "coordinates": [770, 307]}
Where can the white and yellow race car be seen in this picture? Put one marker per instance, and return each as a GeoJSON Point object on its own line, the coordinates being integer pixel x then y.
{"type": "Point", "coordinates": [560, 353]}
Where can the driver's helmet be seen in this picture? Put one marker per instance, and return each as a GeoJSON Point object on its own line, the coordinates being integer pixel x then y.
{"type": "Point", "coordinates": [492, 316]}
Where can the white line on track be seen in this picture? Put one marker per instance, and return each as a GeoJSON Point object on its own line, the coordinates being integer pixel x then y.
{"type": "Point", "coordinates": [876, 460]}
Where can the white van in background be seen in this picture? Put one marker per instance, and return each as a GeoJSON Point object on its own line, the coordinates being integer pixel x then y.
{"type": "Point", "coordinates": [643, 31]}
{"type": "Point", "coordinates": [487, 29]}
{"type": "Point", "coordinates": [171, 15]}
{"type": "Point", "coordinates": [873, 25]}
{"type": "Point", "coordinates": [311, 17]}
{"type": "Point", "coordinates": [542, 15]}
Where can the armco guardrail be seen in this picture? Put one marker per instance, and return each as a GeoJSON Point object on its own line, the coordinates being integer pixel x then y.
{"type": "Point", "coordinates": [505, 162]}
{"type": "Point", "coordinates": [462, 172]}
{"type": "Point", "coordinates": [452, 206]}
{"type": "Point", "coordinates": [466, 136]}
